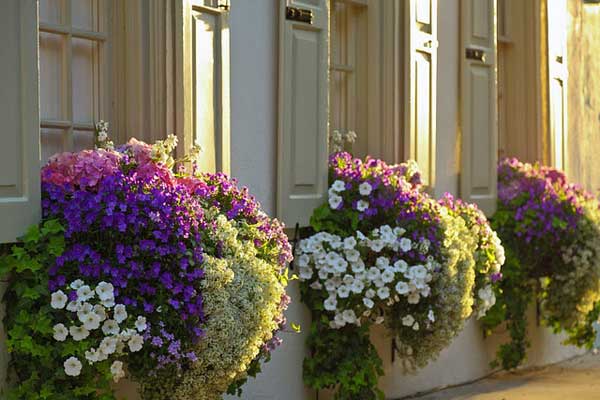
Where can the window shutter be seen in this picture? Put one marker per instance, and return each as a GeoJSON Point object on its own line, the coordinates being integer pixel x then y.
{"type": "Point", "coordinates": [20, 116]}
{"type": "Point", "coordinates": [303, 111]}
{"type": "Point", "coordinates": [479, 114]}
{"type": "Point", "coordinates": [420, 78]}
{"type": "Point", "coordinates": [557, 81]}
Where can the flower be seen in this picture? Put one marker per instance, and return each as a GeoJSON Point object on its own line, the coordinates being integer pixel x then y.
{"type": "Point", "coordinates": [140, 324]}
{"type": "Point", "coordinates": [91, 355]}
{"type": "Point", "coordinates": [78, 333]}
{"type": "Point", "coordinates": [135, 343]}
{"type": "Point", "coordinates": [105, 291]}
{"type": "Point", "coordinates": [59, 300]}
{"type": "Point", "coordinates": [60, 332]}
{"type": "Point", "coordinates": [402, 287]}
{"type": "Point", "coordinates": [335, 201]}
{"type": "Point", "coordinates": [116, 369]}
{"type": "Point", "coordinates": [108, 345]}
{"type": "Point", "coordinates": [362, 205]}
{"type": "Point", "coordinates": [405, 244]}
{"type": "Point", "coordinates": [76, 284]}
{"type": "Point", "coordinates": [383, 292]}
{"type": "Point", "coordinates": [110, 327]}
{"type": "Point", "coordinates": [330, 304]}
{"type": "Point", "coordinates": [338, 186]}
{"type": "Point", "coordinates": [408, 320]}
{"type": "Point", "coordinates": [91, 321]}
{"type": "Point", "coordinates": [365, 188]}
{"type": "Point", "coordinates": [72, 366]}
{"type": "Point", "coordinates": [120, 314]}
{"type": "Point", "coordinates": [349, 316]}
{"type": "Point", "coordinates": [368, 302]}
{"type": "Point", "coordinates": [84, 293]}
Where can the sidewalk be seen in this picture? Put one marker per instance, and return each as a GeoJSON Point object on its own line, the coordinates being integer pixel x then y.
{"type": "Point", "coordinates": [576, 379]}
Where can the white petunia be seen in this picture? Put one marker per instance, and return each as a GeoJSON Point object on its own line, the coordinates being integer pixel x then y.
{"type": "Point", "coordinates": [140, 324]}
{"type": "Point", "coordinates": [305, 273]}
{"type": "Point", "coordinates": [135, 343]}
{"type": "Point", "coordinates": [415, 326]}
{"type": "Point", "coordinates": [338, 186]}
{"type": "Point", "coordinates": [399, 231]}
{"type": "Point", "coordinates": [418, 271]}
{"type": "Point", "coordinates": [343, 291]}
{"type": "Point", "coordinates": [84, 310]}
{"type": "Point", "coordinates": [334, 201]}
{"type": "Point", "coordinates": [323, 274]}
{"type": "Point", "coordinates": [413, 298]}
{"type": "Point", "coordinates": [59, 300]}
{"type": "Point", "coordinates": [361, 276]}
{"type": "Point", "coordinates": [116, 369]}
{"type": "Point", "coordinates": [382, 262]}
{"type": "Point", "coordinates": [376, 245]}
{"type": "Point", "coordinates": [349, 316]}
{"type": "Point", "coordinates": [105, 291]}
{"type": "Point", "coordinates": [316, 285]}
{"type": "Point", "coordinates": [76, 284]}
{"type": "Point", "coordinates": [387, 276]}
{"type": "Point", "coordinates": [373, 273]}
{"type": "Point", "coordinates": [362, 205]}
{"type": "Point", "coordinates": [401, 266]}
{"type": "Point", "coordinates": [383, 292]}
{"type": "Point", "coordinates": [79, 333]}
{"type": "Point", "coordinates": [340, 265]}
{"type": "Point", "coordinates": [84, 293]}
{"type": "Point", "coordinates": [330, 304]}
{"type": "Point", "coordinates": [120, 314]}
{"type": "Point", "coordinates": [108, 345]}
{"type": "Point", "coordinates": [72, 366]}
{"type": "Point", "coordinates": [302, 260]}
{"type": "Point", "coordinates": [352, 255]}
{"type": "Point", "coordinates": [402, 287]}
{"type": "Point", "coordinates": [73, 306]}
{"type": "Point", "coordinates": [368, 302]}
{"type": "Point", "coordinates": [357, 286]}
{"type": "Point", "coordinates": [348, 279]}
{"type": "Point", "coordinates": [349, 243]}
{"type": "Point", "coordinates": [330, 285]}
{"type": "Point", "coordinates": [100, 311]}
{"type": "Point", "coordinates": [91, 322]}
{"type": "Point", "coordinates": [408, 320]}
{"type": "Point", "coordinates": [60, 332]}
{"type": "Point", "coordinates": [91, 355]}
{"type": "Point", "coordinates": [378, 282]}
{"type": "Point", "coordinates": [358, 266]}
{"type": "Point", "coordinates": [370, 293]}
{"type": "Point", "coordinates": [405, 244]}
{"type": "Point", "coordinates": [365, 188]}
{"type": "Point", "coordinates": [110, 327]}
{"type": "Point", "coordinates": [110, 303]}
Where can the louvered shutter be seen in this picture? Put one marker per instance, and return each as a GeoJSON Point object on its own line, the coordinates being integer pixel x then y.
{"type": "Point", "coordinates": [20, 149]}
{"type": "Point", "coordinates": [303, 111]}
{"type": "Point", "coordinates": [479, 114]}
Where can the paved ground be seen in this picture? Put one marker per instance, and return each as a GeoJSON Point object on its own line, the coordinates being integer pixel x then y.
{"type": "Point", "coordinates": [576, 379]}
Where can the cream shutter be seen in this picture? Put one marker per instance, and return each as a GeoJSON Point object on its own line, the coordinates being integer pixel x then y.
{"type": "Point", "coordinates": [303, 111]}
{"type": "Point", "coordinates": [478, 96]}
{"type": "Point", "coordinates": [421, 57]}
{"type": "Point", "coordinates": [557, 81]}
{"type": "Point", "coordinates": [20, 116]}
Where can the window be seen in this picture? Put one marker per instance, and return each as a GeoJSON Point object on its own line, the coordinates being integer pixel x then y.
{"type": "Point", "coordinates": [73, 72]}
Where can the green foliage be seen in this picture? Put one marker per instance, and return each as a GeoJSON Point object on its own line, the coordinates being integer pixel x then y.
{"type": "Point", "coordinates": [514, 296]}
{"type": "Point", "coordinates": [343, 359]}
{"type": "Point", "coordinates": [29, 326]}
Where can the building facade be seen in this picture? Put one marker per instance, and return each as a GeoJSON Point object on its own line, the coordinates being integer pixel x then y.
{"type": "Point", "coordinates": [260, 84]}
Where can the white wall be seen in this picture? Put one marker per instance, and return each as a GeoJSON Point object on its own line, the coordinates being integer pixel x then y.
{"type": "Point", "coordinates": [254, 52]}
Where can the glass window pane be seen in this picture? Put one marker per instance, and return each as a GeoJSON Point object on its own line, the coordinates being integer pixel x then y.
{"type": "Point", "coordinates": [52, 143]}
{"type": "Point", "coordinates": [84, 79]}
{"type": "Point", "coordinates": [52, 11]}
{"type": "Point", "coordinates": [51, 76]}
{"type": "Point", "coordinates": [83, 140]}
{"type": "Point", "coordinates": [84, 13]}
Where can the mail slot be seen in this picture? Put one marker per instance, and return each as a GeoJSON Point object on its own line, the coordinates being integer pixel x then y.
{"type": "Point", "coordinates": [476, 54]}
{"type": "Point", "coordinates": [299, 15]}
